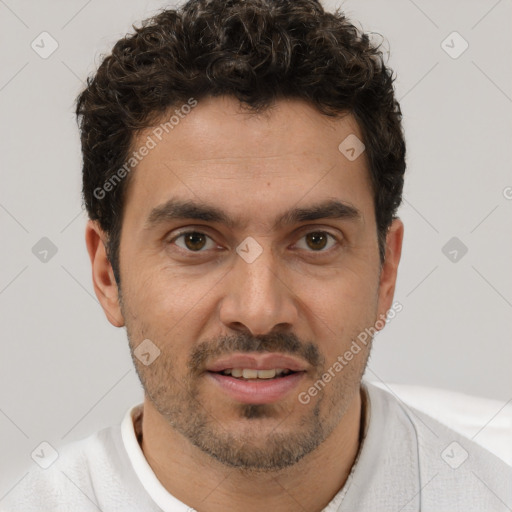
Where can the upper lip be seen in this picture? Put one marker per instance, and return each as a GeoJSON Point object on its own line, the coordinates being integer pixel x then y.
{"type": "Point", "coordinates": [257, 362]}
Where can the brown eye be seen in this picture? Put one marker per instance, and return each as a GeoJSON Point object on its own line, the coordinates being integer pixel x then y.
{"type": "Point", "coordinates": [193, 241]}
{"type": "Point", "coordinates": [317, 241]}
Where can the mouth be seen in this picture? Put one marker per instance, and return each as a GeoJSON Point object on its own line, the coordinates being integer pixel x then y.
{"type": "Point", "coordinates": [252, 374]}
{"type": "Point", "coordinates": [250, 386]}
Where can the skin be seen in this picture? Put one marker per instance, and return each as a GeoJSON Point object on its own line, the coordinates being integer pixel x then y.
{"type": "Point", "coordinates": [298, 298]}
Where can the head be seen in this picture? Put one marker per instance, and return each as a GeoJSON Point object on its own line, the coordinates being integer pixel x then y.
{"type": "Point", "coordinates": [227, 123]}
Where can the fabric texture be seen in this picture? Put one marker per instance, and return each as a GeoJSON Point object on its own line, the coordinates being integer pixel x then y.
{"type": "Point", "coordinates": [408, 462]}
{"type": "Point", "coordinates": [486, 421]}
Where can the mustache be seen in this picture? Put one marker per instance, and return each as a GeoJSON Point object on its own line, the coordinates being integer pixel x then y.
{"type": "Point", "coordinates": [286, 343]}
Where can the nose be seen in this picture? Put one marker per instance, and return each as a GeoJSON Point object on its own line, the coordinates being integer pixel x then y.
{"type": "Point", "coordinates": [258, 299]}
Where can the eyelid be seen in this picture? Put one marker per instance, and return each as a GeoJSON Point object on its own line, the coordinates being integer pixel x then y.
{"type": "Point", "coordinates": [324, 231]}
{"type": "Point", "coordinates": [305, 230]}
{"type": "Point", "coordinates": [187, 232]}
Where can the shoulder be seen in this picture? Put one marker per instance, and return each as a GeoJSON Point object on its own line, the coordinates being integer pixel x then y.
{"type": "Point", "coordinates": [454, 470]}
{"type": "Point", "coordinates": [67, 479]}
{"type": "Point", "coordinates": [87, 475]}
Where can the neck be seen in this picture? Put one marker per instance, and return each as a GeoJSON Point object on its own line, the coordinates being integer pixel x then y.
{"type": "Point", "coordinates": [205, 484]}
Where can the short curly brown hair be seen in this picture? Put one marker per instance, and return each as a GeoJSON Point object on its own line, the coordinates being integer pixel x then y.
{"type": "Point", "coordinates": [257, 51]}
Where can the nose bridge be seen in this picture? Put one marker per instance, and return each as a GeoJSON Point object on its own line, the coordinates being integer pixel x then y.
{"type": "Point", "coordinates": [259, 276]}
{"type": "Point", "coordinates": [256, 297]}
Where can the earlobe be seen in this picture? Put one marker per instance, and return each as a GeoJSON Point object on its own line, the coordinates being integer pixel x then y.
{"type": "Point", "coordinates": [104, 282]}
{"type": "Point", "coordinates": [389, 270]}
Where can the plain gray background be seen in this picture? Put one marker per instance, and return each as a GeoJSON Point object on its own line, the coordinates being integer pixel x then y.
{"type": "Point", "coordinates": [66, 372]}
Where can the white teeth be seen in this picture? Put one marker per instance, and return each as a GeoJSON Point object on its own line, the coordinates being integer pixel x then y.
{"type": "Point", "coordinates": [249, 373]}
{"type": "Point", "coordinates": [265, 374]}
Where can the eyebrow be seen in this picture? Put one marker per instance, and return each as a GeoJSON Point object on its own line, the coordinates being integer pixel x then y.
{"type": "Point", "coordinates": [176, 209]}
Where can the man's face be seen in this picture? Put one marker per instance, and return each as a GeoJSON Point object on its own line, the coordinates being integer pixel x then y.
{"type": "Point", "coordinates": [300, 288]}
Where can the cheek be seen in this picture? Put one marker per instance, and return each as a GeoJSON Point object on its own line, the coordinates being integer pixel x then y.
{"type": "Point", "coordinates": [157, 290]}
{"type": "Point", "coordinates": [347, 293]}
{"type": "Point", "coordinates": [169, 304]}
{"type": "Point", "coordinates": [341, 308]}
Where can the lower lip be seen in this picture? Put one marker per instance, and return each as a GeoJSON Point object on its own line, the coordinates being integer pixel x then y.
{"type": "Point", "coordinates": [260, 391]}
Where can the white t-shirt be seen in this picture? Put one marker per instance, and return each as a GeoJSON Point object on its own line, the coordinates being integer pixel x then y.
{"type": "Point", "coordinates": [407, 462]}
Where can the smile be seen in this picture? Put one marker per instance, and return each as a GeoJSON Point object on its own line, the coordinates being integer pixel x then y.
{"type": "Point", "coordinates": [249, 373]}
{"type": "Point", "coordinates": [256, 389]}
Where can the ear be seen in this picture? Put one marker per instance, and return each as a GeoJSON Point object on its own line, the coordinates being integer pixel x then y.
{"type": "Point", "coordinates": [389, 269]}
{"type": "Point", "coordinates": [104, 282]}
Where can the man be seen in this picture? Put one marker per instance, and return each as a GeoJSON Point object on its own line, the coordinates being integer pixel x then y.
{"type": "Point", "coordinates": [243, 165]}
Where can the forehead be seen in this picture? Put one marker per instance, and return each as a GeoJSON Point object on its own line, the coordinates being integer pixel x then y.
{"type": "Point", "coordinates": [221, 154]}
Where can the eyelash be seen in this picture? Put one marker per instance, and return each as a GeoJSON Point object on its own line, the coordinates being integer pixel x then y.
{"type": "Point", "coordinates": [317, 231]}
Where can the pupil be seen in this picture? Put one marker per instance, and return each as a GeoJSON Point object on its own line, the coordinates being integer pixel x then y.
{"type": "Point", "coordinates": [191, 241]}
{"type": "Point", "coordinates": [315, 237]}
